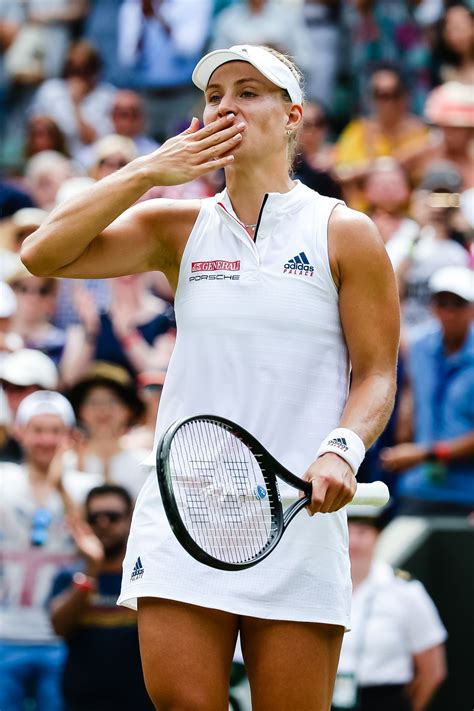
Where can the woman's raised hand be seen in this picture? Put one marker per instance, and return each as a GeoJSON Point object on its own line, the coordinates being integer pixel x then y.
{"type": "Point", "coordinates": [194, 152]}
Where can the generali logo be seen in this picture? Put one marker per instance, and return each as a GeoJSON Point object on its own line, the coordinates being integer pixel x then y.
{"type": "Point", "coordinates": [216, 265]}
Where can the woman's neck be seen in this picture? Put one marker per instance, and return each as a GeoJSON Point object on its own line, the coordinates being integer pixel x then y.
{"type": "Point", "coordinates": [246, 190]}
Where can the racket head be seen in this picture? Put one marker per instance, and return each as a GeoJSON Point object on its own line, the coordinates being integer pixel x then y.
{"type": "Point", "coordinates": [219, 492]}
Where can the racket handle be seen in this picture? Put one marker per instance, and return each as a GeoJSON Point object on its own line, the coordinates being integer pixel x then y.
{"type": "Point", "coordinates": [374, 494]}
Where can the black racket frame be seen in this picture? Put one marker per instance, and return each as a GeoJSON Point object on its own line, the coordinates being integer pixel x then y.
{"type": "Point", "coordinates": [271, 469]}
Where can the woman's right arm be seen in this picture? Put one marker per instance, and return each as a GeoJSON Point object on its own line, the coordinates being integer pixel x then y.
{"type": "Point", "coordinates": [96, 235]}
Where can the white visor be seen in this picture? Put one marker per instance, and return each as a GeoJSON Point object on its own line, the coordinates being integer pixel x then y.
{"type": "Point", "coordinates": [266, 63]}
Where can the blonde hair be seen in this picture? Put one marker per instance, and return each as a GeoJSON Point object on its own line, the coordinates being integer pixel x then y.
{"type": "Point", "coordinates": [288, 61]}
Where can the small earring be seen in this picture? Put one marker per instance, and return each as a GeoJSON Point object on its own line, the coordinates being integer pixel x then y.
{"type": "Point", "coordinates": [288, 131]}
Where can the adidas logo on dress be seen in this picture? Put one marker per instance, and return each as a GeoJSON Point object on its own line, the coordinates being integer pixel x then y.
{"type": "Point", "coordinates": [299, 264]}
{"type": "Point", "coordinates": [340, 443]}
{"type": "Point", "coordinates": [138, 570]}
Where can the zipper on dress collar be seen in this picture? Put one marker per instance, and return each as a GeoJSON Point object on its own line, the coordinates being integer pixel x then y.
{"type": "Point", "coordinates": [265, 198]}
{"type": "Point", "coordinates": [241, 224]}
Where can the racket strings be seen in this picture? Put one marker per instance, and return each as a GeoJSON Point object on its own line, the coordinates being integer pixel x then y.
{"type": "Point", "coordinates": [221, 492]}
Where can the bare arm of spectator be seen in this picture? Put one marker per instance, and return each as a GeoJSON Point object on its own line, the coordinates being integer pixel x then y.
{"type": "Point", "coordinates": [81, 338]}
{"type": "Point", "coordinates": [78, 89]}
{"type": "Point", "coordinates": [409, 454]}
{"type": "Point", "coordinates": [66, 609]}
{"type": "Point", "coordinates": [404, 425]}
{"type": "Point", "coordinates": [55, 478]}
{"type": "Point", "coordinates": [142, 355]}
{"type": "Point", "coordinates": [429, 672]}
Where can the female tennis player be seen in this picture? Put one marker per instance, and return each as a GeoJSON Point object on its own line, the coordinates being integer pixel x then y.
{"type": "Point", "coordinates": [281, 293]}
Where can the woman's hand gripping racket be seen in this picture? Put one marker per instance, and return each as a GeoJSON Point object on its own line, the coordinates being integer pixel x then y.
{"type": "Point", "coordinates": [220, 492]}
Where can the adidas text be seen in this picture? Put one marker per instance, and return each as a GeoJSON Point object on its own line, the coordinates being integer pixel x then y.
{"type": "Point", "coordinates": [299, 264]}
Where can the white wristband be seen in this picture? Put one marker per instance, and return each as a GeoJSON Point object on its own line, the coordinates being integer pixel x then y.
{"type": "Point", "coordinates": [347, 444]}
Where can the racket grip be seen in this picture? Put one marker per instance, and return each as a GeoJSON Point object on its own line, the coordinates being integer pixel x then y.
{"type": "Point", "coordinates": [374, 494]}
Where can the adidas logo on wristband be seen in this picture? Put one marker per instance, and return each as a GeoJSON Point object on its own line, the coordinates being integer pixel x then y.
{"type": "Point", "coordinates": [338, 442]}
{"type": "Point", "coordinates": [345, 443]}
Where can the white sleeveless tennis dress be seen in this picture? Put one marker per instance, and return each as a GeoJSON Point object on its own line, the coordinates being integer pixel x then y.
{"type": "Point", "coordinates": [259, 341]}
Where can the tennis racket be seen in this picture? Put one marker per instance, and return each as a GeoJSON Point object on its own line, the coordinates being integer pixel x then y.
{"type": "Point", "coordinates": [220, 492]}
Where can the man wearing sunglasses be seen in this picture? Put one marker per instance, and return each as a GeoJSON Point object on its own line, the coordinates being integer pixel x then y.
{"type": "Point", "coordinates": [103, 670]}
{"type": "Point", "coordinates": [438, 466]}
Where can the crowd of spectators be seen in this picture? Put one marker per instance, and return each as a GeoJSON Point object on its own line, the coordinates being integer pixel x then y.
{"type": "Point", "coordinates": [86, 86]}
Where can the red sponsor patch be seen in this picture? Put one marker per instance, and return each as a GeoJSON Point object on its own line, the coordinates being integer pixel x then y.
{"type": "Point", "coordinates": [216, 265]}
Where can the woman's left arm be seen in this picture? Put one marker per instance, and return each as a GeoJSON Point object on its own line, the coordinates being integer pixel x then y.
{"type": "Point", "coordinates": [429, 672]}
{"type": "Point", "coordinates": [370, 317]}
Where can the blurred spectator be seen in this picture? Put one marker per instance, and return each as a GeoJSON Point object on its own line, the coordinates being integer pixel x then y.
{"type": "Point", "coordinates": [42, 35]}
{"type": "Point", "coordinates": [37, 297]}
{"type": "Point", "coordinates": [387, 193]}
{"type": "Point", "coordinates": [35, 542]}
{"type": "Point", "coordinates": [313, 138]}
{"type": "Point", "coordinates": [323, 31]}
{"type": "Point", "coordinates": [128, 334]}
{"type": "Point", "coordinates": [450, 108]}
{"type": "Point", "coordinates": [21, 224]}
{"type": "Point", "coordinates": [263, 22]}
{"type": "Point", "coordinates": [393, 658]}
{"type": "Point", "coordinates": [44, 134]}
{"type": "Point", "coordinates": [101, 29]}
{"type": "Point", "coordinates": [22, 372]}
{"type": "Point", "coordinates": [45, 172]}
{"type": "Point", "coordinates": [110, 154]}
{"type": "Point", "coordinates": [103, 670]}
{"type": "Point", "coordinates": [80, 103]}
{"type": "Point", "coordinates": [390, 131]}
{"type": "Point", "coordinates": [439, 405]}
{"type": "Point", "coordinates": [12, 198]}
{"type": "Point", "coordinates": [158, 49]}
{"type": "Point", "coordinates": [34, 36]}
{"type": "Point", "coordinates": [9, 340]}
{"type": "Point", "coordinates": [128, 118]}
{"type": "Point", "coordinates": [107, 405]}
{"type": "Point", "coordinates": [315, 155]}
{"type": "Point", "coordinates": [437, 244]}
{"type": "Point", "coordinates": [150, 385]}
{"type": "Point", "coordinates": [387, 31]}
{"type": "Point", "coordinates": [456, 44]}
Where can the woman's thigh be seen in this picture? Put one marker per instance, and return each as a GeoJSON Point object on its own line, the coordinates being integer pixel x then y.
{"type": "Point", "coordinates": [290, 665]}
{"type": "Point", "coordinates": [186, 654]}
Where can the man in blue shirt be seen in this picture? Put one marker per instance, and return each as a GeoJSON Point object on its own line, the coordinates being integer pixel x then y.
{"type": "Point", "coordinates": [438, 465]}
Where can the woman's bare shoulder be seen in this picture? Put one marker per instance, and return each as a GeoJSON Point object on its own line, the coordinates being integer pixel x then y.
{"type": "Point", "coordinates": [353, 239]}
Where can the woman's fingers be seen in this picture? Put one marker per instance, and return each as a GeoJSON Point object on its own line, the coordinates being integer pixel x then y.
{"type": "Point", "coordinates": [219, 150]}
{"type": "Point", "coordinates": [219, 136]}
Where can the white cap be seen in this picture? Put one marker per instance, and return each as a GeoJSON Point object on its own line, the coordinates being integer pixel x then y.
{"type": "Point", "coordinates": [29, 367]}
{"type": "Point", "coordinates": [7, 300]}
{"type": "Point", "coordinates": [266, 63]}
{"type": "Point", "coordinates": [455, 280]}
{"type": "Point", "coordinates": [45, 402]}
